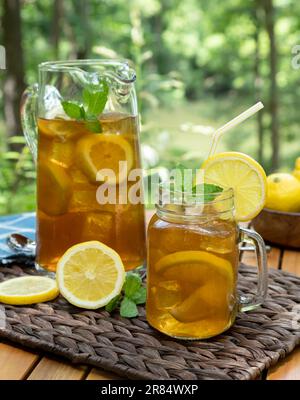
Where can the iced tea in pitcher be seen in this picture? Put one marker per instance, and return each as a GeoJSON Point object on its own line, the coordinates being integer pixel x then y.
{"type": "Point", "coordinates": [87, 137]}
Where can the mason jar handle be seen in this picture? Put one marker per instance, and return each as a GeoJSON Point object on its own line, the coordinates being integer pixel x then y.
{"type": "Point", "coordinates": [28, 118]}
{"type": "Point", "coordinates": [252, 302]}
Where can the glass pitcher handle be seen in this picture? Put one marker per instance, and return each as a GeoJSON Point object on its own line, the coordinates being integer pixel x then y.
{"type": "Point", "coordinates": [252, 302]}
{"type": "Point", "coordinates": [28, 118]}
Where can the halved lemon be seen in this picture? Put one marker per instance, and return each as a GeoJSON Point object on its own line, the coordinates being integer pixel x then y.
{"type": "Point", "coordinates": [244, 175]}
{"type": "Point", "coordinates": [90, 274]}
{"type": "Point", "coordinates": [54, 188]}
{"type": "Point", "coordinates": [28, 290]}
{"type": "Point", "coordinates": [104, 152]}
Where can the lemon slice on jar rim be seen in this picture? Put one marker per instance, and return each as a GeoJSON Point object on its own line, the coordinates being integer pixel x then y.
{"type": "Point", "coordinates": [244, 175]}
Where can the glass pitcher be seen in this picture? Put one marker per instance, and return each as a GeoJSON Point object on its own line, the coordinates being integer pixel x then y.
{"type": "Point", "coordinates": [81, 124]}
{"type": "Point", "coordinates": [192, 266]}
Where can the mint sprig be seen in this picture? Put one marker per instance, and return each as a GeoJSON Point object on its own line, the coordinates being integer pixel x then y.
{"type": "Point", "coordinates": [208, 191]}
{"type": "Point", "coordinates": [94, 98]}
{"type": "Point", "coordinates": [133, 293]}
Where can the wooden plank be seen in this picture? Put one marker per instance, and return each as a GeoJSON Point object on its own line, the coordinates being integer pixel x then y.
{"type": "Point", "coordinates": [249, 257]}
{"type": "Point", "coordinates": [287, 369]}
{"type": "Point", "coordinates": [15, 363]}
{"type": "Point", "coordinates": [52, 369]}
{"type": "Point", "coordinates": [99, 375]}
{"type": "Point", "coordinates": [291, 262]}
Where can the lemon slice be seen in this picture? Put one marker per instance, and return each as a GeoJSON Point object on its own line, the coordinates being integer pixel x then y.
{"type": "Point", "coordinates": [211, 301]}
{"type": "Point", "coordinates": [97, 152]}
{"type": "Point", "coordinates": [28, 290]}
{"type": "Point", "coordinates": [90, 274]}
{"type": "Point", "coordinates": [244, 175]}
{"type": "Point", "coordinates": [213, 277]}
{"type": "Point", "coordinates": [192, 266]}
{"type": "Point", "coordinates": [54, 188]}
{"type": "Point", "coordinates": [60, 128]}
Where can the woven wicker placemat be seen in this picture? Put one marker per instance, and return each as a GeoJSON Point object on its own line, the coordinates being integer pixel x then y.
{"type": "Point", "coordinates": [131, 348]}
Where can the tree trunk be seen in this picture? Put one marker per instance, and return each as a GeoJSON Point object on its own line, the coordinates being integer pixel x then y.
{"type": "Point", "coordinates": [258, 80]}
{"type": "Point", "coordinates": [57, 26]}
{"type": "Point", "coordinates": [270, 22]}
{"type": "Point", "coordinates": [85, 44]}
{"type": "Point", "coordinates": [14, 80]}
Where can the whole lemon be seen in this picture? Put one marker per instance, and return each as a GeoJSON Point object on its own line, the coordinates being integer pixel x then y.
{"type": "Point", "coordinates": [283, 192]}
{"type": "Point", "coordinates": [296, 171]}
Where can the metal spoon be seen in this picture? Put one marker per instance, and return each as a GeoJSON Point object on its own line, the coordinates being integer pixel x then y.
{"type": "Point", "coordinates": [21, 244]}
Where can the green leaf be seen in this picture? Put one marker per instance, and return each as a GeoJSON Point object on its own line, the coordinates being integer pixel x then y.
{"type": "Point", "coordinates": [128, 308]}
{"type": "Point", "coordinates": [17, 140]}
{"type": "Point", "coordinates": [95, 98]}
{"type": "Point", "coordinates": [72, 109]}
{"type": "Point", "coordinates": [86, 96]}
{"type": "Point", "coordinates": [208, 190]}
{"type": "Point", "coordinates": [139, 297]}
{"type": "Point", "coordinates": [93, 124]}
{"type": "Point", "coordinates": [132, 283]}
{"type": "Point", "coordinates": [113, 304]}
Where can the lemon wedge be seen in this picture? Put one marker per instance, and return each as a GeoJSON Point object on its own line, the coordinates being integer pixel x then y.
{"type": "Point", "coordinates": [90, 274]}
{"type": "Point", "coordinates": [54, 188]}
{"type": "Point", "coordinates": [104, 152]}
{"type": "Point", "coordinates": [244, 175]}
{"type": "Point", "coordinates": [28, 290]}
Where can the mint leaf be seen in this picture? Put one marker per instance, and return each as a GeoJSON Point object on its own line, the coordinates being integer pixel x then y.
{"type": "Point", "coordinates": [72, 109]}
{"type": "Point", "coordinates": [95, 98]}
{"type": "Point", "coordinates": [128, 308]}
{"type": "Point", "coordinates": [132, 283]}
{"type": "Point", "coordinates": [113, 304]}
{"type": "Point", "coordinates": [139, 297]}
{"type": "Point", "coordinates": [208, 190]}
{"type": "Point", "coordinates": [93, 124]}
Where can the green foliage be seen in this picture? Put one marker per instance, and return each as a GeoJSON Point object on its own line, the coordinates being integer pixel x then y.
{"type": "Point", "coordinates": [17, 179]}
{"type": "Point", "coordinates": [195, 64]}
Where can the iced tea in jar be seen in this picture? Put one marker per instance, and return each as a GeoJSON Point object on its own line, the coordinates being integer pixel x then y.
{"type": "Point", "coordinates": [81, 123]}
{"type": "Point", "coordinates": [192, 265]}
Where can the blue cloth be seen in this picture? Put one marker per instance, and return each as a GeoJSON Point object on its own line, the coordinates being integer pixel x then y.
{"type": "Point", "coordinates": [17, 223]}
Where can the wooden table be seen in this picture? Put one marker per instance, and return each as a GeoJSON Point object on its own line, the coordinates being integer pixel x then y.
{"type": "Point", "coordinates": [20, 364]}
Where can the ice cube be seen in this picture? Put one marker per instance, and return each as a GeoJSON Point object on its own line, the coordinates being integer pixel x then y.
{"type": "Point", "coordinates": [167, 294]}
{"type": "Point", "coordinates": [84, 201]}
{"type": "Point", "coordinates": [99, 226]}
{"type": "Point", "coordinates": [62, 153]}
